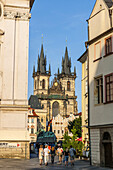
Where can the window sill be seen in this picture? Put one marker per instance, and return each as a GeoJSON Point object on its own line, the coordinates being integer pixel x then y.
{"type": "Point", "coordinates": [108, 54]}
{"type": "Point", "coordinates": [108, 102]}
{"type": "Point", "coordinates": [97, 59]}
{"type": "Point", "coordinates": [98, 104]}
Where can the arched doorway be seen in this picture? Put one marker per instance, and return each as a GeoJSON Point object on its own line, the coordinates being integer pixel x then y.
{"type": "Point", "coordinates": [55, 109]}
{"type": "Point", "coordinates": [107, 149]}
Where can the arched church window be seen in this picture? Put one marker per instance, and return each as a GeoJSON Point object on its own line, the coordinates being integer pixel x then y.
{"type": "Point", "coordinates": [55, 109]}
{"type": "Point", "coordinates": [106, 136]}
{"type": "Point", "coordinates": [68, 86]}
{"type": "Point", "coordinates": [43, 84]}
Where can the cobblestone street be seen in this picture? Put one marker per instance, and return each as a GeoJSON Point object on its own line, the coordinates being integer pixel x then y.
{"type": "Point", "coordinates": [33, 164]}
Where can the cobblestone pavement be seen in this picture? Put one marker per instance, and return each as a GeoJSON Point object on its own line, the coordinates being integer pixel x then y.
{"type": "Point", "coordinates": [33, 164]}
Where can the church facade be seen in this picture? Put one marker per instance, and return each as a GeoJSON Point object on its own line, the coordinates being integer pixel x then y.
{"type": "Point", "coordinates": [59, 97]}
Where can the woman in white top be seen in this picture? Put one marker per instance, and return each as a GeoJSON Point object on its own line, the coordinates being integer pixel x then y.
{"type": "Point", "coordinates": [46, 155]}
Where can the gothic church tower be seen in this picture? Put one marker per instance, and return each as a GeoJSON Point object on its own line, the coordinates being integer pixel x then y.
{"type": "Point", "coordinates": [41, 76]}
{"type": "Point", "coordinates": [67, 79]}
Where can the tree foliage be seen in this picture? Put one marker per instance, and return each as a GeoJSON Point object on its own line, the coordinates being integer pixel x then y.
{"type": "Point", "coordinates": [76, 124]}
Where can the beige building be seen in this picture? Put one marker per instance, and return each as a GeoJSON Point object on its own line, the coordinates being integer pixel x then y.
{"type": "Point", "coordinates": [84, 60]}
{"type": "Point", "coordinates": [100, 47]}
{"type": "Point", "coordinates": [59, 97]}
{"type": "Point", "coordinates": [14, 44]}
{"type": "Point", "coordinates": [60, 125]}
{"type": "Point", "coordinates": [32, 125]}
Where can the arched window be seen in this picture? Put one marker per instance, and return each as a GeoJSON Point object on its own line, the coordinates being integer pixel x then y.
{"type": "Point", "coordinates": [68, 85]}
{"type": "Point", "coordinates": [106, 136]}
{"type": "Point", "coordinates": [43, 84]}
{"type": "Point", "coordinates": [55, 109]}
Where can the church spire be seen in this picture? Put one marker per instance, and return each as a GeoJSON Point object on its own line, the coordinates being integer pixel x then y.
{"type": "Point", "coordinates": [49, 69]}
{"type": "Point", "coordinates": [67, 63]}
{"type": "Point", "coordinates": [38, 63]}
{"type": "Point", "coordinates": [42, 61]}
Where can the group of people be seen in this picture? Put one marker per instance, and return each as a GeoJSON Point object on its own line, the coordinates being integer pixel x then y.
{"type": "Point", "coordinates": [50, 152]}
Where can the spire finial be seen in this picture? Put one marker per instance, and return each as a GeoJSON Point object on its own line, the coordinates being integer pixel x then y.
{"type": "Point", "coordinates": [66, 41]}
{"type": "Point", "coordinates": [42, 38]}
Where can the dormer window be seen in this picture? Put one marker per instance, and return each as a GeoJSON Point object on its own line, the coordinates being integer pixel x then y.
{"type": "Point", "coordinates": [43, 84]}
{"type": "Point", "coordinates": [68, 86]}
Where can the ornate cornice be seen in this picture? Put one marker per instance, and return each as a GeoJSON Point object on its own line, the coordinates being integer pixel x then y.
{"type": "Point", "coordinates": [17, 15]}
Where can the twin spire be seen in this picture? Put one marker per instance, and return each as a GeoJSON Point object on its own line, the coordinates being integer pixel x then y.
{"type": "Point", "coordinates": [41, 64]}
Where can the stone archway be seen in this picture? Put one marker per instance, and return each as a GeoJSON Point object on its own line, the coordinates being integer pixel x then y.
{"type": "Point", "coordinates": [107, 149]}
{"type": "Point", "coordinates": [55, 109]}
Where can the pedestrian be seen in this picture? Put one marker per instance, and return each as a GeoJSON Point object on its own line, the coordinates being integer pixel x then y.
{"type": "Point", "coordinates": [60, 153]}
{"type": "Point", "coordinates": [52, 153]}
{"type": "Point", "coordinates": [41, 154]}
{"type": "Point", "coordinates": [46, 155]}
{"type": "Point", "coordinates": [72, 153]}
{"type": "Point", "coordinates": [66, 154]}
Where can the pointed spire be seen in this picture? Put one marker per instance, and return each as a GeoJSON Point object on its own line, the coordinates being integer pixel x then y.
{"type": "Point", "coordinates": [49, 69]}
{"type": "Point", "coordinates": [42, 61]}
{"type": "Point", "coordinates": [74, 70]}
{"type": "Point", "coordinates": [66, 54]}
{"type": "Point", "coordinates": [58, 71]}
{"type": "Point", "coordinates": [38, 64]}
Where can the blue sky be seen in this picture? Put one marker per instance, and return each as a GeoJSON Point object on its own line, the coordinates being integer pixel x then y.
{"type": "Point", "coordinates": [59, 20]}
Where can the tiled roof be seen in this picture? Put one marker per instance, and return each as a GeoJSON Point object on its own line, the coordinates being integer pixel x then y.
{"type": "Point", "coordinates": [109, 3]}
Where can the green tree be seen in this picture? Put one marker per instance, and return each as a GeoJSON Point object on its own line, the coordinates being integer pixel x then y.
{"type": "Point", "coordinates": [66, 141]}
{"type": "Point", "coordinates": [76, 123]}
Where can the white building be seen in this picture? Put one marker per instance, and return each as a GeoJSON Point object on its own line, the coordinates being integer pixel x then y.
{"type": "Point", "coordinates": [100, 42]}
{"type": "Point", "coordinates": [14, 39]}
{"type": "Point", "coordinates": [60, 125]}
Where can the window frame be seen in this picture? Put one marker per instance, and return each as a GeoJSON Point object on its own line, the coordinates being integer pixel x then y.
{"type": "Point", "coordinates": [110, 37]}
{"type": "Point", "coordinates": [99, 89]}
{"type": "Point", "coordinates": [110, 82]}
{"type": "Point", "coordinates": [97, 58]}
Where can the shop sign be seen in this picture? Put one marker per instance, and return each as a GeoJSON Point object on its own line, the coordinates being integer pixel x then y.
{"type": "Point", "coordinates": [9, 145]}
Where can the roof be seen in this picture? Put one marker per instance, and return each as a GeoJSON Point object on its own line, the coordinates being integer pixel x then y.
{"type": "Point", "coordinates": [31, 3]}
{"type": "Point", "coordinates": [83, 57]}
{"type": "Point", "coordinates": [109, 3]}
{"type": "Point", "coordinates": [34, 102]}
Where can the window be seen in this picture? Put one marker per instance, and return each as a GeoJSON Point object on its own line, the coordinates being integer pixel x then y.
{"type": "Point", "coordinates": [108, 45]}
{"type": "Point", "coordinates": [43, 84]}
{"type": "Point", "coordinates": [32, 120]}
{"type": "Point", "coordinates": [35, 84]}
{"type": "Point", "coordinates": [68, 86]}
{"type": "Point", "coordinates": [58, 131]}
{"type": "Point", "coordinates": [42, 119]}
{"type": "Point", "coordinates": [62, 131]}
{"type": "Point", "coordinates": [109, 87]}
{"type": "Point", "coordinates": [54, 131]}
{"type": "Point", "coordinates": [32, 130]}
{"type": "Point", "coordinates": [97, 51]}
{"type": "Point", "coordinates": [98, 93]}
{"type": "Point", "coordinates": [28, 121]}
{"type": "Point", "coordinates": [86, 86]}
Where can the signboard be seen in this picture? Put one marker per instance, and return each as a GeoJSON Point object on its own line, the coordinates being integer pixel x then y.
{"type": "Point", "coordinates": [10, 145]}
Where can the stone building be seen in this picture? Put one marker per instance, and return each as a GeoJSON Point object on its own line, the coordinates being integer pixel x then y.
{"type": "Point", "coordinates": [14, 40]}
{"type": "Point", "coordinates": [60, 125]}
{"type": "Point", "coordinates": [84, 60]}
{"type": "Point", "coordinates": [100, 54]}
{"type": "Point", "coordinates": [59, 97]}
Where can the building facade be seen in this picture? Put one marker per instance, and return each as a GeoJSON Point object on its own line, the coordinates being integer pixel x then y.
{"type": "Point", "coordinates": [100, 47]}
{"type": "Point", "coordinates": [14, 40]}
{"type": "Point", "coordinates": [60, 125]}
{"type": "Point", "coordinates": [84, 60]}
{"type": "Point", "coordinates": [59, 97]}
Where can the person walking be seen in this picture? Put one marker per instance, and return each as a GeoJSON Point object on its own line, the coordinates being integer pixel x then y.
{"type": "Point", "coordinates": [72, 153]}
{"type": "Point", "coordinates": [46, 155]}
{"type": "Point", "coordinates": [41, 154]}
{"type": "Point", "coordinates": [66, 154]}
{"type": "Point", "coordinates": [60, 153]}
{"type": "Point", "coordinates": [52, 153]}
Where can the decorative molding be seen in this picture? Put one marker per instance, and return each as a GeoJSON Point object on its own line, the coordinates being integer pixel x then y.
{"type": "Point", "coordinates": [17, 15]}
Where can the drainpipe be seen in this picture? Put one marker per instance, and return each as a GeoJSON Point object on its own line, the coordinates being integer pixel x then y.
{"type": "Point", "coordinates": [110, 15]}
{"type": "Point", "coordinates": [88, 96]}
